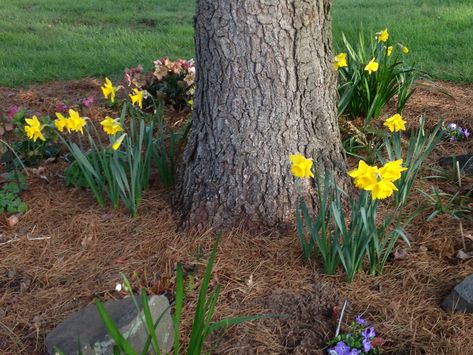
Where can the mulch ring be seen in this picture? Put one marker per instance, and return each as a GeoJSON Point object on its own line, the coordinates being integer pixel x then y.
{"type": "Point", "coordinates": [65, 252]}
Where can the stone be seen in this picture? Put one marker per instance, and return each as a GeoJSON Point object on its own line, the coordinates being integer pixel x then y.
{"type": "Point", "coordinates": [460, 298]}
{"type": "Point", "coordinates": [86, 327]}
{"type": "Point", "coordinates": [465, 161]}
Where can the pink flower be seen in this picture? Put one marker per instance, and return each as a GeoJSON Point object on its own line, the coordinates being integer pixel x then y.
{"type": "Point", "coordinates": [12, 111]}
{"type": "Point", "coordinates": [89, 101]}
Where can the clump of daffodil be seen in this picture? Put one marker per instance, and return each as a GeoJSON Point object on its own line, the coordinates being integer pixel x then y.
{"type": "Point", "coordinates": [383, 35]}
{"type": "Point", "coordinates": [118, 142]}
{"type": "Point", "coordinates": [73, 123]}
{"type": "Point", "coordinates": [109, 90]}
{"type": "Point", "coordinates": [33, 129]}
{"type": "Point", "coordinates": [340, 61]}
{"type": "Point", "coordinates": [395, 123]}
{"type": "Point", "coordinates": [380, 181]}
{"type": "Point", "coordinates": [372, 66]}
{"type": "Point", "coordinates": [137, 98]}
{"type": "Point", "coordinates": [111, 126]}
{"type": "Point", "coordinates": [301, 166]}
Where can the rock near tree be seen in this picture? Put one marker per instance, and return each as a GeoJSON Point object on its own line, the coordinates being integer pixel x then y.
{"type": "Point", "coordinates": [86, 330]}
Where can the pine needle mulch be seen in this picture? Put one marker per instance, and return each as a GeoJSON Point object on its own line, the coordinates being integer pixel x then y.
{"type": "Point", "coordinates": [65, 252]}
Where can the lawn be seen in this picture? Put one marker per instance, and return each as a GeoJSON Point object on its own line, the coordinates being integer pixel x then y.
{"type": "Point", "coordinates": [49, 40]}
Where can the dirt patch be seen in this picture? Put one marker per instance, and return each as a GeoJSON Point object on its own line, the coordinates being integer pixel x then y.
{"type": "Point", "coordinates": [66, 251]}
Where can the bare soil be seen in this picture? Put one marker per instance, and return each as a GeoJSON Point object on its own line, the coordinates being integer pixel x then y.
{"type": "Point", "coordinates": [65, 252]}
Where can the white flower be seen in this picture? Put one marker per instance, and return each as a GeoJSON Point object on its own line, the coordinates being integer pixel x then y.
{"type": "Point", "coordinates": [452, 126]}
{"type": "Point", "coordinates": [118, 287]}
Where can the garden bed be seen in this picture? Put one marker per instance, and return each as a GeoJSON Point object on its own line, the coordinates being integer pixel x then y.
{"type": "Point", "coordinates": [65, 251]}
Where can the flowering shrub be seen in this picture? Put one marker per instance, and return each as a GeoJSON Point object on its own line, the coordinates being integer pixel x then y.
{"type": "Point", "coordinates": [172, 82]}
{"type": "Point", "coordinates": [359, 339]}
{"type": "Point", "coordinates": [456, 133]}
{"type": "Point", "coordinates": [371, 75]}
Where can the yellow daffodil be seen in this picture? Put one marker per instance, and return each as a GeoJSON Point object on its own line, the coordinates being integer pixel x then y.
{"type": "Point", "coordinates": [137, 98]}
{"type": "Point", "coordinates": [372, 66]}
{"type": "Point", "coordinates": [390, 50]}
{"type": "Point", "coordinates": [118, 142]}
{"type": "Point", "coordinates": [61, 122]}
{"type": "Point", "coordinates": [392, 170]}
{"type": "Point", "coordinates": [378, 181]}
{"type": "Point", "coordinates": [75, 122]}
{"type": "Point", "coordinates": [111, 126]}
{"type": "Point", "coordinates": [33, 129]}
{"type": "Point", "coordinates": [383, 36]}
{"type": "Point", "coordinates": [109, 90]}
{"type": "Point", "coordinates": [301, 166]}
{"type": "Point", "coordinates": [383, 189]}
{"type": "Point", "coordinates": [340, 61]}
{"type": "Point", "coordinates": [365, 176]}
{"type": "Point", "coordinates": [395, 123]}
{"type": "Point", "coordinates": [405, 50]}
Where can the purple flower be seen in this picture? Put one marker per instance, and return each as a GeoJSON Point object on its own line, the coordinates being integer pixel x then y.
{"type": "Point", "coordinates": [340, 349]}
{"type": "Point", "coordinates": [368, 333]}
{"type": "Point", "coordinates": [12, 112]}
{"type": "Point", "coordinates": [89, 101]}
{"type": "Point", "coordinates": [360, 320]}
{"type": "Point", "coordinates": [366, 345]}
{"type": "Point", "coordinates": [452, 126]}
{"type": "Point", "coordinates": [452, 139]}
{"type": "Point", "coordinates": [465, 133]}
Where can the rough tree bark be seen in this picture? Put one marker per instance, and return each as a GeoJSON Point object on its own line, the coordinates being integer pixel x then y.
{"type": "Point", "coordinates": [265, 89]}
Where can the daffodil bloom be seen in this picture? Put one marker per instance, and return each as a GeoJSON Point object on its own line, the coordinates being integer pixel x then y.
{"type": "Point", "coordinates": [383, 189]}
{"type": "Point", "coordinates": [75, 122]}
{"type": "Point", "coordinates": [390, 50]}
{"type": "Point", "coordinates": [365, 176]}
{"type": "Point", "coordinates": [392, 170]}
{"type": "Point", "coordinates": [372, 66]}
{"type": "Point", "coordinates": [395, 123]}
{"type": "Point", "coordinates": [118, 142]}
{"type": "Point", "coordinates": [301, 166]}
{"type": "Point", "coordinates": [405, 50]}
{"type": "Point", "coordinates": [137, 98]}
{"type": "Point", "coordinates": [109, 90]}
{"type": "Point", "coordinates": [340, 61]}
{"type": "Point", "coordinates": [61, 122]}
{"type": "Point", "coordinates": [33, 129]}
{"type": "Point", "coordinates": [111, 126]}
{"type": "Point", "coordinates": [383, 36]}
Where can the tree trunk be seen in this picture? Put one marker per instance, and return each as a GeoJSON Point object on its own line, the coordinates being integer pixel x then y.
{"type": "Point", "coordinates": [265, 89]}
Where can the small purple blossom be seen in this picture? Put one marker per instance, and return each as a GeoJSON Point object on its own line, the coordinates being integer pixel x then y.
{"type": "Point", "coordinates": [368, 333]}
{"type": "Point", "coordinates": [465, 133]}
{"type": "Point", "coordinates": [341, 348]}
{"type": "Point", "coordinates": [452, 139]}
{"type": "Point", "coordinates": [12, 111]}
{"type": "Point", "coordinates": [360, 320]}
{"type": "Point", "coordinates": [366, 345]}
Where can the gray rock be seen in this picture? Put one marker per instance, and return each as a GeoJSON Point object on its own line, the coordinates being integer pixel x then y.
{"type": "Point", "coordinates": [87, 327]}
{"type": "Point", "coordinates": [460, 298]}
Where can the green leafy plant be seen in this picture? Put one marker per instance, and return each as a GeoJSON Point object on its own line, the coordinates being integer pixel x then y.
{"type": "Point", "coordinates": [10, 201]}
{"type": "Point", "coordinates": [456, 205]}
{"type": "Point", "coordinates": [365, 90]}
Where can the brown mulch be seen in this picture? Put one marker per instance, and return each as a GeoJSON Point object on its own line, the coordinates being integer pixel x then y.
{"type": "Point", "coordinates": [65, 252]}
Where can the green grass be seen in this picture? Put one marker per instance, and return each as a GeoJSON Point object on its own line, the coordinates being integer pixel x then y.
{"type": "Point", "coordinates": [44, 40]}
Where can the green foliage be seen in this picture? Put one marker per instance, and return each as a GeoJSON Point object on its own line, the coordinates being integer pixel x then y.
{"type": "Point", "coordinates": [328, 237]}
{"type": "Point", "coordinates": [202, 325]}
{"type": "Point", "coordinates": [165, 148]}
{"type": "Point", "coordinates": [10, 201]}
{"type": "Point", "coordinates": [456, 205]}
{"type": "Point", "coordinates": [421, 144]}
{"type": "Point", "coordinates": [364, 94]}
